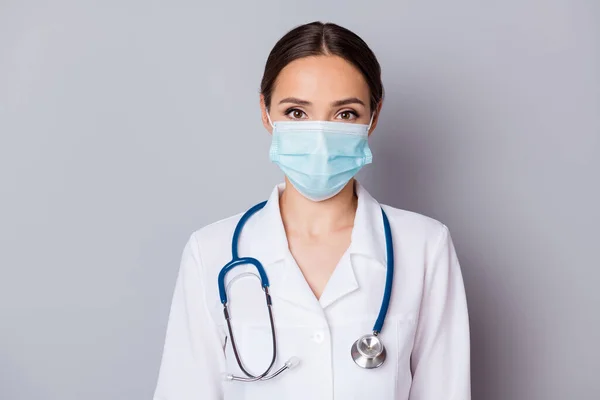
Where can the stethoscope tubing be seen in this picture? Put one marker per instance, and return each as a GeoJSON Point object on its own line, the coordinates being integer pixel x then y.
{"type": "Point", "coordinates": [250, 377]}
{"type": "Point", "coordinates": [389, 276]}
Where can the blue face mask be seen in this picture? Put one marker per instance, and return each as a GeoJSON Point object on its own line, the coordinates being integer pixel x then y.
{"type": "Point", "coordinates": [320, 157]}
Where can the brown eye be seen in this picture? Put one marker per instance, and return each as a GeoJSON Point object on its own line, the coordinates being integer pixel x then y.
{"type": "Point", "coordinates": [295, 114]}
{"type": "Point", "coordinates": [347, 115]}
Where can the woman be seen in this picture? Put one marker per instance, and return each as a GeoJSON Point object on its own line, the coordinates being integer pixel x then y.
{"type": "Point", "coordinates": [328, 251]}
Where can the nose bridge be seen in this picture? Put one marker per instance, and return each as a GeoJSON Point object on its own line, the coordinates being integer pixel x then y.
{"type": "Point", "coordinates": [322, 111]}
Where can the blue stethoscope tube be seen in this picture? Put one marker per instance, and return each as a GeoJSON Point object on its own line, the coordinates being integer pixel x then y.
{"type": "Point", "coordinates": [236, 260]}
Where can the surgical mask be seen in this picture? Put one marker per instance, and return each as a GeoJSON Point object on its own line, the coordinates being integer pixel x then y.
{"type": "Point", "coordinates": [320, 157]}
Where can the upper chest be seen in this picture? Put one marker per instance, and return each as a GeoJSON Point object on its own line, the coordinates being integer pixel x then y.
{"type": "Point", "coordinates": [318, 256]}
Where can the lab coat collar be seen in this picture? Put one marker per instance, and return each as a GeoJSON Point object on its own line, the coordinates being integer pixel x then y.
{"type": "Point", "coordinates": [368, 236]}
{"type": "Point", "coordinates": [264, 238]}
{"type": "Point", "coordinates": [268, 238]}
{"type": "Point", "coordinates": [270, 243]}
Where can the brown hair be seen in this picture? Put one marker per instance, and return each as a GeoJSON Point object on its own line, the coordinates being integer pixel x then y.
{"type": "Point", "coordinates": [315, 39]}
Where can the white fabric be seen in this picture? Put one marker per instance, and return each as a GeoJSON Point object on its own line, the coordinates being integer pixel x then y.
{"type": "Point", "coordinates": [426, 332]}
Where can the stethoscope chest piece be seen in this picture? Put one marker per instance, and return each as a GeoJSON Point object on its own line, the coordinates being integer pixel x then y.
{"type": "Point", "coordinates": [368, 352]}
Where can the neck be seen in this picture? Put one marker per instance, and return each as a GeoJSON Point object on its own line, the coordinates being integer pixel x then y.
{"type": "Point", "coordinates": [305, 217]}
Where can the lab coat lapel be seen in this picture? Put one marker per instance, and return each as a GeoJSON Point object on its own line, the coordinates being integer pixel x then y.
{"type": "Point", "coordinates": [341, 283]}
{"type": "Point", "coordinates": [293, 287]}
{"type": "Point", "coordinates": [264, 238]}
{"type": "Point", "coordinates": [368, 239]}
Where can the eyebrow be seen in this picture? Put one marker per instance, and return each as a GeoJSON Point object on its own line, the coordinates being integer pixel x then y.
{"type": "Point", "coordinates": [295, 100]}
{"type": "Point", "coordinates": [337, 103]}
{"type": "Point", "coordinates": [345, 102]}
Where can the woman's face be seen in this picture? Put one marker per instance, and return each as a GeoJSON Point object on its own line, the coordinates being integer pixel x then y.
{"type": "Point", "coordinates": [323, 88]}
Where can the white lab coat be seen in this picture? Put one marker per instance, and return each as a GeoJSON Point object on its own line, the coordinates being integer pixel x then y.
{"type": "Point", "coordinates": [426, 332]}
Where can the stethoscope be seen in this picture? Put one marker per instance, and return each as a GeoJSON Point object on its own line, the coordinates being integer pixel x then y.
{"type": "Point", "coordinates": [367, 352]}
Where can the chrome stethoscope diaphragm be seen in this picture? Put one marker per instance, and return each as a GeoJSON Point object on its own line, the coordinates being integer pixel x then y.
{"type": "Point", "coordinates": [368, 351]}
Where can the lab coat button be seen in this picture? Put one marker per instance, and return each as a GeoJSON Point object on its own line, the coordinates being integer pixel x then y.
{"type": "Point", "coordinates": [318, 337]}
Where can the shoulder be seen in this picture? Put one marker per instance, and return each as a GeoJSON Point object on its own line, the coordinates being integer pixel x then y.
{"type": "Point", "coordinates": [416, 229]}
{"type": "Point", "coordinates": [423, 243]}
{"type": "Point", "coordinates": [210, 248]}
{"type": "Point", "coordinates": [212, 242]}
{"type": "Point", "coordinates": [216, 232]}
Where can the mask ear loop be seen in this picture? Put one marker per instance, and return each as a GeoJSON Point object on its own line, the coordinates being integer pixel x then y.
{"type": "Point", "coordinates": [269, 118]}
{"type": "Point", "coordinates": [371, 122]}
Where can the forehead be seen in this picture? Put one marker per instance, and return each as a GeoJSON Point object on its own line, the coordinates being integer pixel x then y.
{"type": "Point", "coordinates": [320, 78]}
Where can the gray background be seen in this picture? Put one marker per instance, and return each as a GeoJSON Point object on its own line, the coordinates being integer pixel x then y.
{"type": "Point", "coordinates": [127, 125]}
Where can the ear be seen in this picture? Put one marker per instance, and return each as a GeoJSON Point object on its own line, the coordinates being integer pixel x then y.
{"type": "Point", "coordinates": [263, 110]}
{"type": "Point", "coordinates": [376, 116]}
